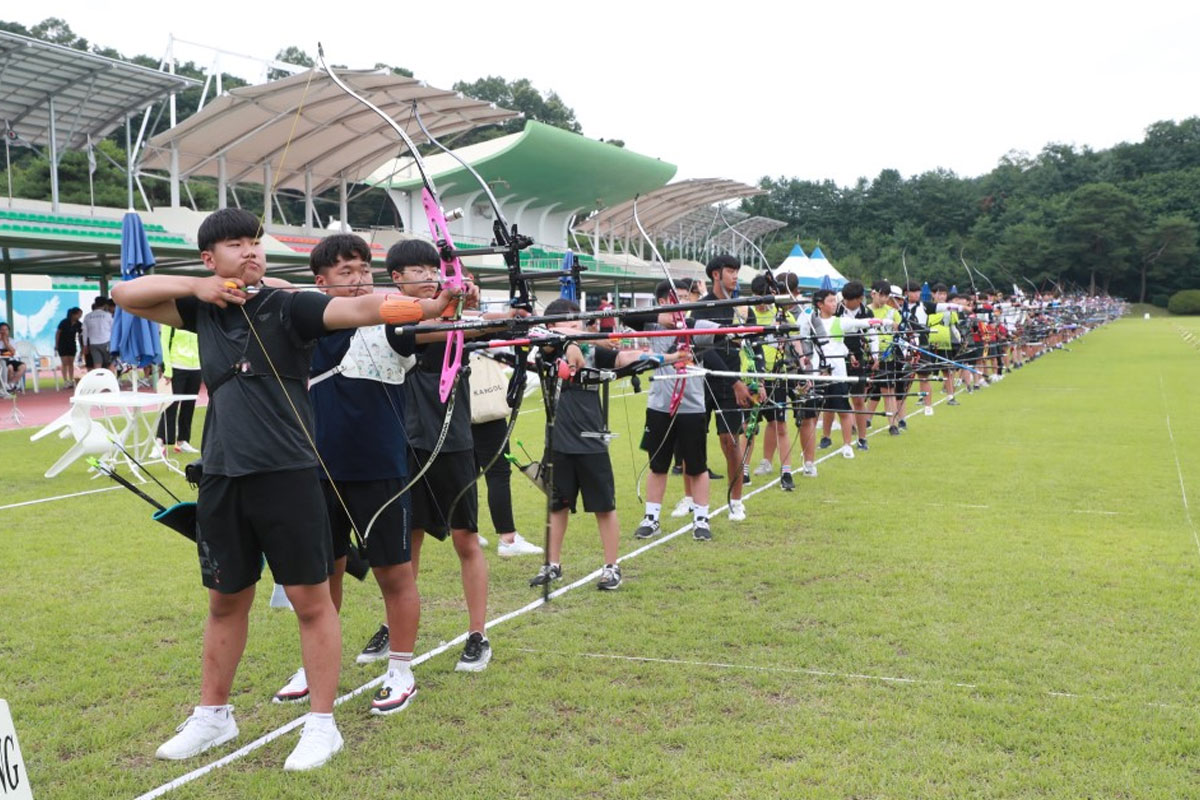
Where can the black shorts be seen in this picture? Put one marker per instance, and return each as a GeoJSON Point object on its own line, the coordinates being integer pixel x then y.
{"type": "Point", "coordinates": [280, 515]}
{"type": "Point", "coordinates": [437, 488]}
{"type": "Point", "coordinates": [686, 438]}
{"type": "Point", "coordinates": [390, 540]}
{"type": "Point", "coordinates": [826, 397]}
{"type": "Point", "coordinates": [777, 401]}
{"type": "Point", "coordinates": [858, 388]}
{"type": "Point", "coordinates": [731, 418]}
{"type": "Point", "coordinates": [589, 474]}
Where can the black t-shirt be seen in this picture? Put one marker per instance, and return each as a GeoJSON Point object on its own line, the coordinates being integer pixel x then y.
{"type": "Point", "coordinates": [724, 354]}
{"type": "Point", "coordinates": [252, 424]}
{"type": "Point", "coordinates": [579, 410]}
{"type": "Point", "coordinates": [424, 411]}
{"type": "Point", "coordinates": [68, 335]}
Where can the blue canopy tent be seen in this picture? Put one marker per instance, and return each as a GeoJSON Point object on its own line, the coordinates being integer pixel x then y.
{"type": "Point", "coordinates": [133, 338]}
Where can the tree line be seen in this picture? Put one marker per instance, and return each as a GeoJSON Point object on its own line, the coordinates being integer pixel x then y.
{"type": "Point", "coordinates": [1121, 221]}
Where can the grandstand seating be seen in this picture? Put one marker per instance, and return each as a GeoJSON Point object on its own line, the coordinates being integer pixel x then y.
{"type": "Point", "coordinates": [82, 227]}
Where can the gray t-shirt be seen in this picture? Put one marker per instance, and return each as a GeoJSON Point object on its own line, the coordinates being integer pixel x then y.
{"type": "Point", "coordinates": [251, 426]}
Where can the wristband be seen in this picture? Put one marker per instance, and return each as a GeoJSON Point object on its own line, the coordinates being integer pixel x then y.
{"type": "Point", "coordinates": [398, 310]}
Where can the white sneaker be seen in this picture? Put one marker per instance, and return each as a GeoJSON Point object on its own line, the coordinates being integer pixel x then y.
{"type": "Point", "coordinates": [683, 507]}
{"type": "Point", "coordinates": [185, 447]}
{"type": "Point", "coordinates": [737, 511]}
{"type": "Point", "coordinates": [763, 468]}
{"type": "Point", "coordinates": [279, 598]}
{"type": "Point", "coordinates": [395, 692]}
{"type": "Point", "coordinates": [318, 743]}
{"type": "Point", "coordinates": [847, 451]}
{"type": "Point", "coordinates": [295, 690]}
{"type": "Point", "coordinates": [198, 733]}
{"type": "Point", "coordinates": [809, 470]}
{"type": "Point", "coordinates": [929, 411]}
{"type": "Point", "coordinates": [519, 547]}
{"type": "Point", "coordinates": [482, 541]}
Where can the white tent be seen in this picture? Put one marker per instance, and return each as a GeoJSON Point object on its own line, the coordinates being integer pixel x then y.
{"type": "Point", "coordinates": [811, 269]}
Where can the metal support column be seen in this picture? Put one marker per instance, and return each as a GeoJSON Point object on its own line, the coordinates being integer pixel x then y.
{"type": "Point", "coordinates": [8, 290]}
{"type": "Point", "coordinates": [128, 164]}
{"type": "Point", "coordinates": [222, 180]}
{"type": "Point", "coordinates": [53, 159]}
{"type": "Point", "coordinates": [309, 210]}
{"type": "Point", "coordinates": [175, 174]}
{"type": "Point", "coordinates": [268, 219]}
{"type": "Point", "coordinates": [344, 203]}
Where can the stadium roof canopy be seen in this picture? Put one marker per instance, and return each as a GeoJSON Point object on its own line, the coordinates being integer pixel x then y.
{"type": "Point", "coordinates": [304, 127]}
{"type": "Point", "coordinates": [541, 166]}
{"type": "Point", "coordinates": [659, 209]}
{"type": "Point", "coordinates": [81, 93]}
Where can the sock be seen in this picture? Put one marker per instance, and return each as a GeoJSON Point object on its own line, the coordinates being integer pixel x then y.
{"type": "Point", "coordinates": [319, 721]}
{"type": "Point", "coordinates": [214, 711]}
{"type": "Point", "coordinates": [786, 469]}
{"type": "Point", "coordinates": [699, 513]}
{"type": "Point", "coordinates": [401, 663]}
{"type": "Point", "coordinates": [653, 510]}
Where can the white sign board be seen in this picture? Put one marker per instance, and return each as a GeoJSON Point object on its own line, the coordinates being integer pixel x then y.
{"type": "Point", "coordinates": [14, 780]}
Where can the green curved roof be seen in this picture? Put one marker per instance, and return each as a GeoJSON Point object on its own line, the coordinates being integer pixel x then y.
{"type": "Point", "coordinates": [549, 164]}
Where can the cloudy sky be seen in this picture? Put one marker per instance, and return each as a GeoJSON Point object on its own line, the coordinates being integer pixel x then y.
{"type": "Point", "coordinates": [742, 90]}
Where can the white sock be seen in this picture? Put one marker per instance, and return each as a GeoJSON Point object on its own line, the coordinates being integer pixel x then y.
{"type": "Point", "coordinates": [401, 663]}
{"type": "Point", "coordinates": [699, 513]}
{"type": "Point", "coordinates": [214, 711]}
{"type": "Point", "coordinates": [653, 510]}
{"type": "Point", "coordinates": [319, 721]}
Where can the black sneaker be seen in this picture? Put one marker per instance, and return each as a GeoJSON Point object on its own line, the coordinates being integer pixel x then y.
{"type": "Point", "coordinates": [903, 424]}
{"type": "Point", "coordinates": [785, 481]}
{"type": "Point", "coordinates": [648, 528]}
{"type": "Point", "coordinates": [677, 469]}
{"type": "Point", "coordinates": [826, 442]}
{"type": "Point", "coordinates": [868, 423]}
{"type": "Point", "coordinates": [712, 476]}
{"type": "Point", "coordinates": [951, 402]}
{"type": "Point", "coordinates": [701, 532]}
{"type": "Point", "coordinates": [377, 647]}
{"type": "Point", "coordinates": [476, 655]}
{"type": "Point", "coordinates": [862, 444]}
{"type": "Point", "coordinates": [548, 573]}
{"type": "Point", "coordinates": [610, 578]}
{"type": "Point", "coordinates": [746, 476]}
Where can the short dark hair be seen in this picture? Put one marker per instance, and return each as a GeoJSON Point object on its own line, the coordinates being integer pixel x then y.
{"type": "Point", "coordinates": [819, 295]}
{"type": "Point", "coordinates": [335, 247]}
{"type": "Point", "coordinates": [720, 262]}
{"type": "Point", "coordinates": [663, 289]}
{"type": "Point", "coordinates": [758, 286]}
{"type": "Point", "coordinates": [912, 286]}
{"type": "Point", "coordinates": [791, 281]}
{"type": "Point", "coordinates": [852, 290]}
{"type": "Point", "coordinates": [882, 287]}
{"type": "Point", "coordinates": [939, 287]}
{"type": "Point", "coordinates": [562, 305]}
{"type": "Point", "coordinates": [225, 224]}
{"type": "Point", "coordinates": [412, 253]}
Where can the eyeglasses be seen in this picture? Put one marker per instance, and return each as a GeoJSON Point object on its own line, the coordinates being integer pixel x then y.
{"type": "Point", "coordinates": [432, 272]}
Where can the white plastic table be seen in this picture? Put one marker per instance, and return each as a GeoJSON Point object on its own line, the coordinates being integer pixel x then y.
{"type": "Point", "coordinates": [141, 411]}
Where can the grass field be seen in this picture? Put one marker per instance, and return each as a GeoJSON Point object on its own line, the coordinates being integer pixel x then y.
{"type": "Point", "coordinates": [1003, 602]}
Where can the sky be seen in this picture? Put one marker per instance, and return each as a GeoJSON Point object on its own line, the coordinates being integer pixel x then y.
{"type": "Point", "coordinates": [816, 91]}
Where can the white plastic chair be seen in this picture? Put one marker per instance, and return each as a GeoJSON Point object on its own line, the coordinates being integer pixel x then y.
{"type": "Point", "coordinates": [27, 353]}
{"type": "Point", "coordinates": [91, 439]}
{"type": "Point", "coordinates": [95, 381]}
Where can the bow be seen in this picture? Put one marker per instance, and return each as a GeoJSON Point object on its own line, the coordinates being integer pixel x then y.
{"type": "Point", "coordinates": [508, 241]}
{"type": "Point", "coordinates": [451, 274]}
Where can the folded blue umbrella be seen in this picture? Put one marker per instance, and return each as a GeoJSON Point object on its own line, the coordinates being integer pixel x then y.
{"type": "Point", "coordinates": [926, 293]}
{"type": "Point", "coordinates": [826, 283]}
{"type": "Point", "coordinates": [569, 290]}
{"type": "Point", "coordinates": [133, 338]}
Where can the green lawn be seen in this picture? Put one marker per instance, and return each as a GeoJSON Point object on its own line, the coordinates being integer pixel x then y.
{"type": "Point", "coordinates": [1000, 603]}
